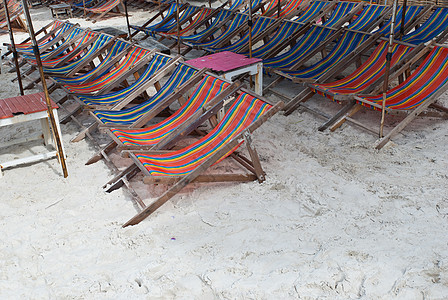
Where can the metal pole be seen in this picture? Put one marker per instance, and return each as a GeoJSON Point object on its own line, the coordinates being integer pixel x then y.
{"type": "Point", "coordinates": [386, 72]}
{"type": "Point", "coordinates": [178, 26]}
{"type": "Point", "coordinates": [13, 47]}
{"type": "Point", "coordinates": [36, 51]}
{"type": "Point", "coordinates": [127, 20]}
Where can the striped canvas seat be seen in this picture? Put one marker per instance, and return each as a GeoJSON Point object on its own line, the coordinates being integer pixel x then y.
{"type": "Point", "coordinates": [370, 71]}
{"type": "Point", "coordinates": [189, 12]}
{"type": "Point", "coordinates": [216, 23]}
{"type": "Point", "coordinates": [245, 110]}
{"type": "Point", "coordinates": [27, 46]}
{"type": "Point", "coordinates": [237, 21]}
{"type": "Point", "coordinates": [411, 13]}
{"type": "Point", "coordinates": [434, 25]}
{"type": "Point", "coordinates": [206, 90]}
{"type": "Point", "coordinates": [289, 8]}
{"type": "Point", "coordinates": [288, 28]}
{"type": "Point", "coordinates": [199, 17]}
{"type": "Point", "coordinates": [131, 115]}
{"type": "Point", "coordinates": [80, 59]}
{"type": "Point", "coordinates": [259, 26]}
{"type": "Point", "coordinates": [133, 57]}
{"type": "Point", "coordinates": [310, 40]}
{"type": "Point", "coordinates": [424, 82]}
{"type": "Point", "coordinates": [117, 48]}
{"type": "Point", "coordinates": [157, 62]}
{"type": "Point", "coordinates": [103, 6]}
{"type": "Point", "coordinates": [346, 44]}
{"type": "Point", "coordinates": [70, 39]}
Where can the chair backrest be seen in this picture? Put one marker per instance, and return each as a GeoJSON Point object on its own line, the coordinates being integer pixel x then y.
{"type": "Point", "coordinates": [411, 13]}
{"type": "Point", "coordinates": [157, 62]}
{"type": "Point", "coordinates": [244, 111]}
{"type": "Point", "coordinates": [207, 89]}
{"type": "Point", "coordinates": [369, 14]}
{"type": "Point", "coordinates": [128, 116]}
{"type": "Point", "coordinates": [312, 10]}
{"type": "Point", "coordinates": [432, 27]}
{"type": "Point", "coordinates": [424, 82]}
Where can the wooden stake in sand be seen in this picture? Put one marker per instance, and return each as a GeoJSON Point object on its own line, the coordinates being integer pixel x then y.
{"type": "Point", "coordinates": [127, 20]}
{"type": "Point", "coordinates": [13, 47]}
{"type": "Point", "coordinates": [36, 51]}
{"type": "Point", "coordinates": [386, 72]}
{"type": "Point", "coordinates": [178, 26]}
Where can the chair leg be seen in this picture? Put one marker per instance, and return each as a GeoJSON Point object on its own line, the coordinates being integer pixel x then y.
{"type": "Point", "coordinates": [337, 116]}
{"type": "Point", "coordinates": [254, 157]}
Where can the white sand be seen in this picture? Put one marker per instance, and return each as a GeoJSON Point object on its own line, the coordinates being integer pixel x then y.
{"type": "Point", "coordinates": [335, 219]}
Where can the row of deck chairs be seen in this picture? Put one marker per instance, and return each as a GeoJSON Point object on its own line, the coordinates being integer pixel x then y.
{"type": "Point", "coordinates": [96, 9]}
{"type": "Point", "coordinates": [202, 24]}
{"type": "Point", "coordinates": [15, 14]}
{"type": "Point", "coordinates": [340, 32]}
{"type": "Point", "coordinates": [110, 77]}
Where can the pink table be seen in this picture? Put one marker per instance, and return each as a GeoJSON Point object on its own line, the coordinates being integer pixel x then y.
{"type": "Point", "coordinates": [228, 65]}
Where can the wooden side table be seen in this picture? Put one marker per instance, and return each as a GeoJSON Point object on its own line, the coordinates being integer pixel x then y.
{"type": "Point", "coordinates": [63, 8]}
{"type": "Point", "coordinates": [27, 108]}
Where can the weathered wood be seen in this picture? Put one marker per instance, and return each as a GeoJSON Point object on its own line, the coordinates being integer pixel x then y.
{"type": "Point", "coordinates": [201, 178]}
{"type": "Point", "coordinates": [338, 115]}
{"type": "Point", "coordinates": [200, 169]}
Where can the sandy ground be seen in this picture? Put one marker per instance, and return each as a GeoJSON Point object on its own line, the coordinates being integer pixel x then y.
{"type": "Point", "coordinates": [335, 219]}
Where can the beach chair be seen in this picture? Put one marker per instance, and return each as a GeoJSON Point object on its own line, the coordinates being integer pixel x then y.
{"type": "Point", "coordinates": [139, 113]}
{"type": "Point", "coordinates": [435, 27]}
{"type": "Point", "coordinates": [413, 96]}
{"type": "Point", "coordinates": [105, 7]}
{"type": "Point", "coordinates": [369, 75]}
{"type": "Point", "coordinates": [159, 66]}
{"type": "Point", "coordinates": [206, 100]}
{"type": "Point", "coordinates": [181, 167]}
{"type": "Point", "coordinates": [259, 25]}
{"type": "Point", "coordinates": [15, 10]}
{"type": "Point", "coordinates": [288, 29]}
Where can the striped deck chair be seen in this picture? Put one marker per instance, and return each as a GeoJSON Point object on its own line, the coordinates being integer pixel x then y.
{"type": "Point", "coordinates": [435, 25]}
{"type": "Point", "coordinates": [134, 60]}
{"type": "Point", "coordinates": [15, 10]}
{"type": "Point", "coordinates": [215, 25]}
{"type": "Point", "coordinates": [206, 90]}
{"type": "Point", "coordinates": [363, 77]}
{"type": "Point", "coordinates": [411, 13]}
{"type": "Point", "coordinates": [288, 28]}
{"type": "Point", "coordinates": [105, 7]}
{"type": "Point", "coordinates": [346, 44]}
{"type": "Point", "coordinates": [117, 51]}
{"type": "Point", "coordinates": [56, 34]}
{"type": "Point", "coordinates": [259, 25]}
{"type": "Point", "coordinates": [238, 21]}
{"type": "Point", "coordinates": [82, 60]}
{"type": "Point", "coordinates": [207, 99]}
{"type": "Point", "coordinates": [198, 19]}
{"type": "Point", "coordinates": [290, 9]}
{"type": "Point", "coordinates": [131, 115]}
{"type": "Point", "coordinates": [310, 40]}
{"type": "Point", "coordinates": [187, 13]}
{"type": "Point", "coordinates": [187, 165]}
{"type": "Point", "coordinates": [75, 35]}
{"type": "Point", "coordinates": [414, 95]}
{"type": "Point", "coordinates": [42, 35]}
{"type": "Point", "coordinates": [123, 96]}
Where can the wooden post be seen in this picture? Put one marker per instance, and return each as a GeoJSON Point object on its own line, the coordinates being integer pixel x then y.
{"type": "Point", "coordinates": [36, 51]}
{"type": "Point", "coordinates": [127, 20]}
{"type": "Point", "coordinates": [178, 26]}
{"type": "Point", "coordinates": [13, 47]}
{"type": "Point", "coordinates": [279, 8]}
{"type": "Point", "coordinates": [84, 7]}
{"type": "Point", "coordinates": [403, 15]}
{"type": "Point", "coordinates": [386, 73]}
